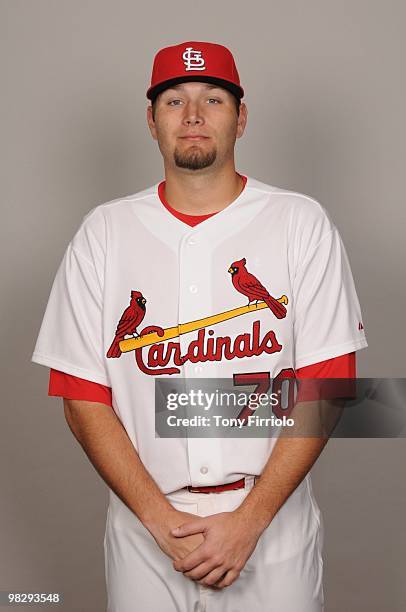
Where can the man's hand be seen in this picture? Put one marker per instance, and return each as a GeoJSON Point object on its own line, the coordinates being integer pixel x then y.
{"type": "Point", "coordinates": [229, 540]}
{"type": "Point", "coordinates": [173, 547]}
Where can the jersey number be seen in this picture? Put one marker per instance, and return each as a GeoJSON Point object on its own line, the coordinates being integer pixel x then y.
{"type": "Point", "coordinates": [283, 390]}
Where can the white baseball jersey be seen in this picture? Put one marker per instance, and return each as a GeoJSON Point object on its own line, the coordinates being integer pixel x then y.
{"type": "Point", "coordinates": [133, 267]}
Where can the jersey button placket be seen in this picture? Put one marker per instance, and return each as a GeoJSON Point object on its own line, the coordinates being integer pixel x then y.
{"type": "Point", "coordinates": [192, 292]}
{"type": "Point", "coordinates": [194, 303]}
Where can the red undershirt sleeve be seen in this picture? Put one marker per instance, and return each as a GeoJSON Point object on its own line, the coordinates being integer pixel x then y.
{"type": "Point", "coordinates": [72, 387]}
{"type": "Point", "coordinates": [341, 367]}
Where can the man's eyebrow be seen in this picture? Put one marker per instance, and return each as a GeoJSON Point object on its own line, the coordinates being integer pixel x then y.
{"type": "Point", "coordinates": [180, 86]}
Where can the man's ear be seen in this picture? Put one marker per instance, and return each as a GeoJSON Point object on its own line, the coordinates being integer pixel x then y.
{"type": "Point", "coordinates": [151, 122]}
{"type": "Point", "coordinates": [242, 119]}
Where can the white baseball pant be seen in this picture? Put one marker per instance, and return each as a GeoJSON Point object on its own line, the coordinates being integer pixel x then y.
{"type": "Point", "coordinates": [283, 574]}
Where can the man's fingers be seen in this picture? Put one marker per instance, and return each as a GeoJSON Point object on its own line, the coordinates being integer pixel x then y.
{"type": "Point", "coordinates": [228, 579]}
{"type": "Point", "coordinates": [200, 571]}
{"type": "Point", "coordinates": [189, 528]}
{"type": "Point", "coordinates": [214, 577]}
{"type": "Point", "coordinates": [193, 559]}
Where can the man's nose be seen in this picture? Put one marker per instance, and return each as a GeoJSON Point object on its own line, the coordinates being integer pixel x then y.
{"type": "Point", "coordinates": [193, 119]}
{"type": "Point", "coordinates": [192, 114]}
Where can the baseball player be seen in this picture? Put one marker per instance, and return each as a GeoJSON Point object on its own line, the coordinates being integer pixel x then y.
{"type": "Point", "coordinates": [209, 273]}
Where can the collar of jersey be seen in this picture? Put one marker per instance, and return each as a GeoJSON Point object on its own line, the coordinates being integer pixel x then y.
{"type": "Point", "coordinates": [201, 219]}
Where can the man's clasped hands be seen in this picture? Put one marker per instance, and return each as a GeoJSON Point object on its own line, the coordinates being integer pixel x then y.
{"type": "Point", "coordinates": [211, 550]}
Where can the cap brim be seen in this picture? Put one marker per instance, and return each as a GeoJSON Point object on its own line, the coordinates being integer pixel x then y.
{"type": "Point", "coordinates": [160, 87]}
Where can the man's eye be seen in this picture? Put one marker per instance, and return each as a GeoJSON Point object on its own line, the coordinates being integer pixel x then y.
{"type": "Point", "coordinates": [171, 102]}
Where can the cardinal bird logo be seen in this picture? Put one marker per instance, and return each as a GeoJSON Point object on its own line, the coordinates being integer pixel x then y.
{"type": "Point", "coordinates": [127, 326]}
{"type": "Point", "coordinates": [247, 284]}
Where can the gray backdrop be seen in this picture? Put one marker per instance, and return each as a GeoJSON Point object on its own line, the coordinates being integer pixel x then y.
{"type": "Point", "coordinates": [325, 92]}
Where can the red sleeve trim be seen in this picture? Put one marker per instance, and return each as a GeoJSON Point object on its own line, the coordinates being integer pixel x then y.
{"type": "Point", "coordinates": [72, 387]}
{"type": "Point", "coordinates": [343, 366]}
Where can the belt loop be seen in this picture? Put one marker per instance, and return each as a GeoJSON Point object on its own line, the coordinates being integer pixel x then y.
{"type": "Point", "coordinates": [249, 482]}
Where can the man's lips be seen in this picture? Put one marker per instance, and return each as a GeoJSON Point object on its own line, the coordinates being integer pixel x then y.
{"type": "Point", "coordinates": [194, 137]}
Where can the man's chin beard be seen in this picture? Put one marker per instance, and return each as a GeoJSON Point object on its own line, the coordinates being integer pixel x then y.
{"type": "Point", "coordinates": [196, 160]}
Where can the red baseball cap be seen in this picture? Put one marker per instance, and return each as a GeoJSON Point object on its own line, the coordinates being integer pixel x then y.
{"type": "Point", "coordinates": [194, 61]}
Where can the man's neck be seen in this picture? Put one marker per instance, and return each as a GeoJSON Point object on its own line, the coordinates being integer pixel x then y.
{"type": "Point", "coordinates": [202, 193]}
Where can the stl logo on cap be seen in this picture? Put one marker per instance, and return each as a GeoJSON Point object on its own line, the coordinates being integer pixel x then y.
{"type": "Point", "coordinates": [193, 59]}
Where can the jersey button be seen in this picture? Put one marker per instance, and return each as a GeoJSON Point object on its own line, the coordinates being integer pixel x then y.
{"type": "Point", "coordinates": [204, 470]}
{"type": "Point", "coordinates": [193, 289]}
{"type": "Point", "coordinates": [198, 369]}
{"type": "Point", "coordinates": [191, 240]}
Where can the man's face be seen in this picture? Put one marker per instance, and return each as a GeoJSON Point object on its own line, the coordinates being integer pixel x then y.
{"type": "Point", "coordinates": [196, 125]}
